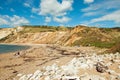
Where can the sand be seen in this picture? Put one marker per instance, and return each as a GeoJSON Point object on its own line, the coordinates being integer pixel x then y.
{"type": "Point", "coordinates": [41, 55]}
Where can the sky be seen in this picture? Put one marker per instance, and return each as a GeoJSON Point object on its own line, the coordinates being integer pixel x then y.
{"type": "Point", "coordinates": [99, 13]}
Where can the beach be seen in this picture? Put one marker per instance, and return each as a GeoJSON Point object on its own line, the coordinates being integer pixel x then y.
{"type": "Point", "coordinates": [27, 62]}
{"type": "Point", "coordinates": [38, 57]}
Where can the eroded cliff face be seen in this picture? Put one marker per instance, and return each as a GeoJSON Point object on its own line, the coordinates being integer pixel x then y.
{"type": "Point", "coordinates": [79, 35]}
{"type": "Point", "coordinates": [16, 36]}
{"type": "Point", "coordinates": [42, 37]}
{"type": "Point", "coordinates": [5, 32]}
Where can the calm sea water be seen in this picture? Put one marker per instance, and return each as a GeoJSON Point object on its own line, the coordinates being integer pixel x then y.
{"type": "Point", "coordinates": [5, 48]}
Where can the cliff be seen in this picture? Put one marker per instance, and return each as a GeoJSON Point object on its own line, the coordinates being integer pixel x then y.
{"type": "Point", "coordinates": [77, 36]}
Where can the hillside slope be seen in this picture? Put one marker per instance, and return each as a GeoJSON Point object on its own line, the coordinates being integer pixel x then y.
{"type": "Point", "coordinates": [77, 36]}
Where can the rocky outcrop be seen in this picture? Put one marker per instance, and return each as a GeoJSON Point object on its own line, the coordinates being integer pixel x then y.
{"type": "Point", "coordinates": [71, 70]}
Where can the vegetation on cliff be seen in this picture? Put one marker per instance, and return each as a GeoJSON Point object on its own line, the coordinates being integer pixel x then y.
{"type": "Point", "coordinates": [69, 36]}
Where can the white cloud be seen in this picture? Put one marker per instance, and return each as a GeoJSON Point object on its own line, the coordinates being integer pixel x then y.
{"type": "Point", "coordinates": [47, 19]}
{"type": "Point", "coordinates": [95, 13]}
{"type": "Point", "coordinates": [105, 10]}
{"type": "Point", "coordinates": [61, 20]}
{"type": "Point", "coordinates": [115, 16]}
{"type": "Point", "coordinates": [54, 8]}
{"type": "Point", "coordinates": [103, 5]}
{"type": "Point", "coordinates": [16, 20]}
{"type": "Point", "coordinates": [3, 21]}
{"type": "Point", "coordinates": [32, 16]}
{"type": "Point", "coordinates": [88, 1]}
{"type": "Point", "coordinates": [13, 21]}
{"type": "Point", "coordinates": [101, 8]}
{"type": "Point", "coordinates": [35, 10]}
{"type": "Point", "coordinates": [26, 4]}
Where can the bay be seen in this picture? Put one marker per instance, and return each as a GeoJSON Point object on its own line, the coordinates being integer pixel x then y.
{"type": "Point", "coordinates": [6, 48]}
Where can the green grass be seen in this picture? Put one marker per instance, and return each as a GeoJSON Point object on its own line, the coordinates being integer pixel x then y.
{"type": "Point", "coordinates": [102, 44]}
{"type": "Point", "coordinates": [34, 29]}
{"type": "Point", "coordinates": [105, 30]}
{"type": "Point", "coordinates": [93, 43]}
{"type": "Point", "coordinates": [92, 40]}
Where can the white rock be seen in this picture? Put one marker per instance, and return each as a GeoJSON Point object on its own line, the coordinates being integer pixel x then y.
{"type": "Point", "coordinates": [28, 76]}
{"type": "Point", "coordinates": [119, 67]}
{"type": "Point", "coordinates": [109, 64]}
{"type": "Point", "coordinates": [70, 78]}
{"type": "Point", "coordinates": [19, 75]}
{"type": "Point", "coordinates": [24, 77]}
{"type": "Point", "coordinates": [92, 77]}
{"type": "Point", "coordinates": [84, 66]}
{"type": "Point", "coordinates": [69, 70]}
{"type": "Point", "coordinates": [112, 77]}
{"type": "Point", "coordinates": [117, 61]}
{"type": "Point", "coordinates": [47, 78]}
{"type": "Point", "coordinates": [36, 75]}
{"type": "Point", "coordinates": [112, 72]}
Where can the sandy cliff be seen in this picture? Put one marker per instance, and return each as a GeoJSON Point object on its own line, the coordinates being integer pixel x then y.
{"type": "Point", "coordinates": [79, 35]}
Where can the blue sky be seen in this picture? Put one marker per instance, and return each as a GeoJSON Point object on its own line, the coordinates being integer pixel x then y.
{"type": "Point", "coordinates": [100, 13]}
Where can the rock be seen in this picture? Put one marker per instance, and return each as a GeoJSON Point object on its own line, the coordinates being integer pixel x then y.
{"type": "Point", "coordinates": [70, 78]}
{"type": "Point", "coordinates": [117, 55]}
{"type": "Point", "coordinates": [112, 61]}
{"type": "Point", "coordinates": [115, 61]}
{"type": "Point", "coordinates": [47, 78]}
{"type": "Point", "coordinates": [19, 75]}
{"type": "Point", "coordinates": [24, 77]}
{"type": "Point", "coordinates": [92, 77]}
{"type": "Point", "coordinates": [101, 68]}
{"type": "Point", "coordinates": [15, 71]}
{"type": "Point", "coordinates": [70, 70]}
{"type": "Point", "coordinates": [112, 72]}
{"type": "Point", "coordinates": [118, 78]}
{"type": "Point", "coordinates": [114, 77]}
{"type": "Point", "coordinates": [29, 76]}
{"type": "Point", "coordinates": [109, 64]}
{"type": "Point", "coordinates": [36, 75]}
{"type": "Point", "coordinates": [17, 54]}
{"type": "Point", "coordinates": [119, 67]}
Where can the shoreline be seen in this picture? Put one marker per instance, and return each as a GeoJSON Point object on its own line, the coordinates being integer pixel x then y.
{"type": "Point", "coordinates": [26, 47]}
{"type": "Point", "coordinates": [26, 44]}
{"type": "Point", "coordinates": [40, 56]}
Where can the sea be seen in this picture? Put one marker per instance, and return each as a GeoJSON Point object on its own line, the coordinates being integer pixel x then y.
{"type": "Point", "coordinates": [7, 48]}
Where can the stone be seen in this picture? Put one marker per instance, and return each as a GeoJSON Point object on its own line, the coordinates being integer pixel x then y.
{"type": "Point", "coordinates": [92, 77]}
{"type": "Point", "coordinates": [70, 78]}
{"type": "Point", "coordinates": [109, 64]}
{"type": "Point", "coordinates": [114, 77]}
{"type": "Point", "coordinates": [70, 70]}
{"type": "Point", "coordinates": [47, 78]}
{"type": "Point", "coordinates": [112, 72]}
{"type": "Point", "coordinates": [101, 68]}
{"type": "Point", "coordinates": [36, 75]}
{"type": "Point", "coordinates": [19, 75]}
{"type": "Point", "coordinates": [119, 67]}
{"type": "Point", "coordinates": [24, 77]}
